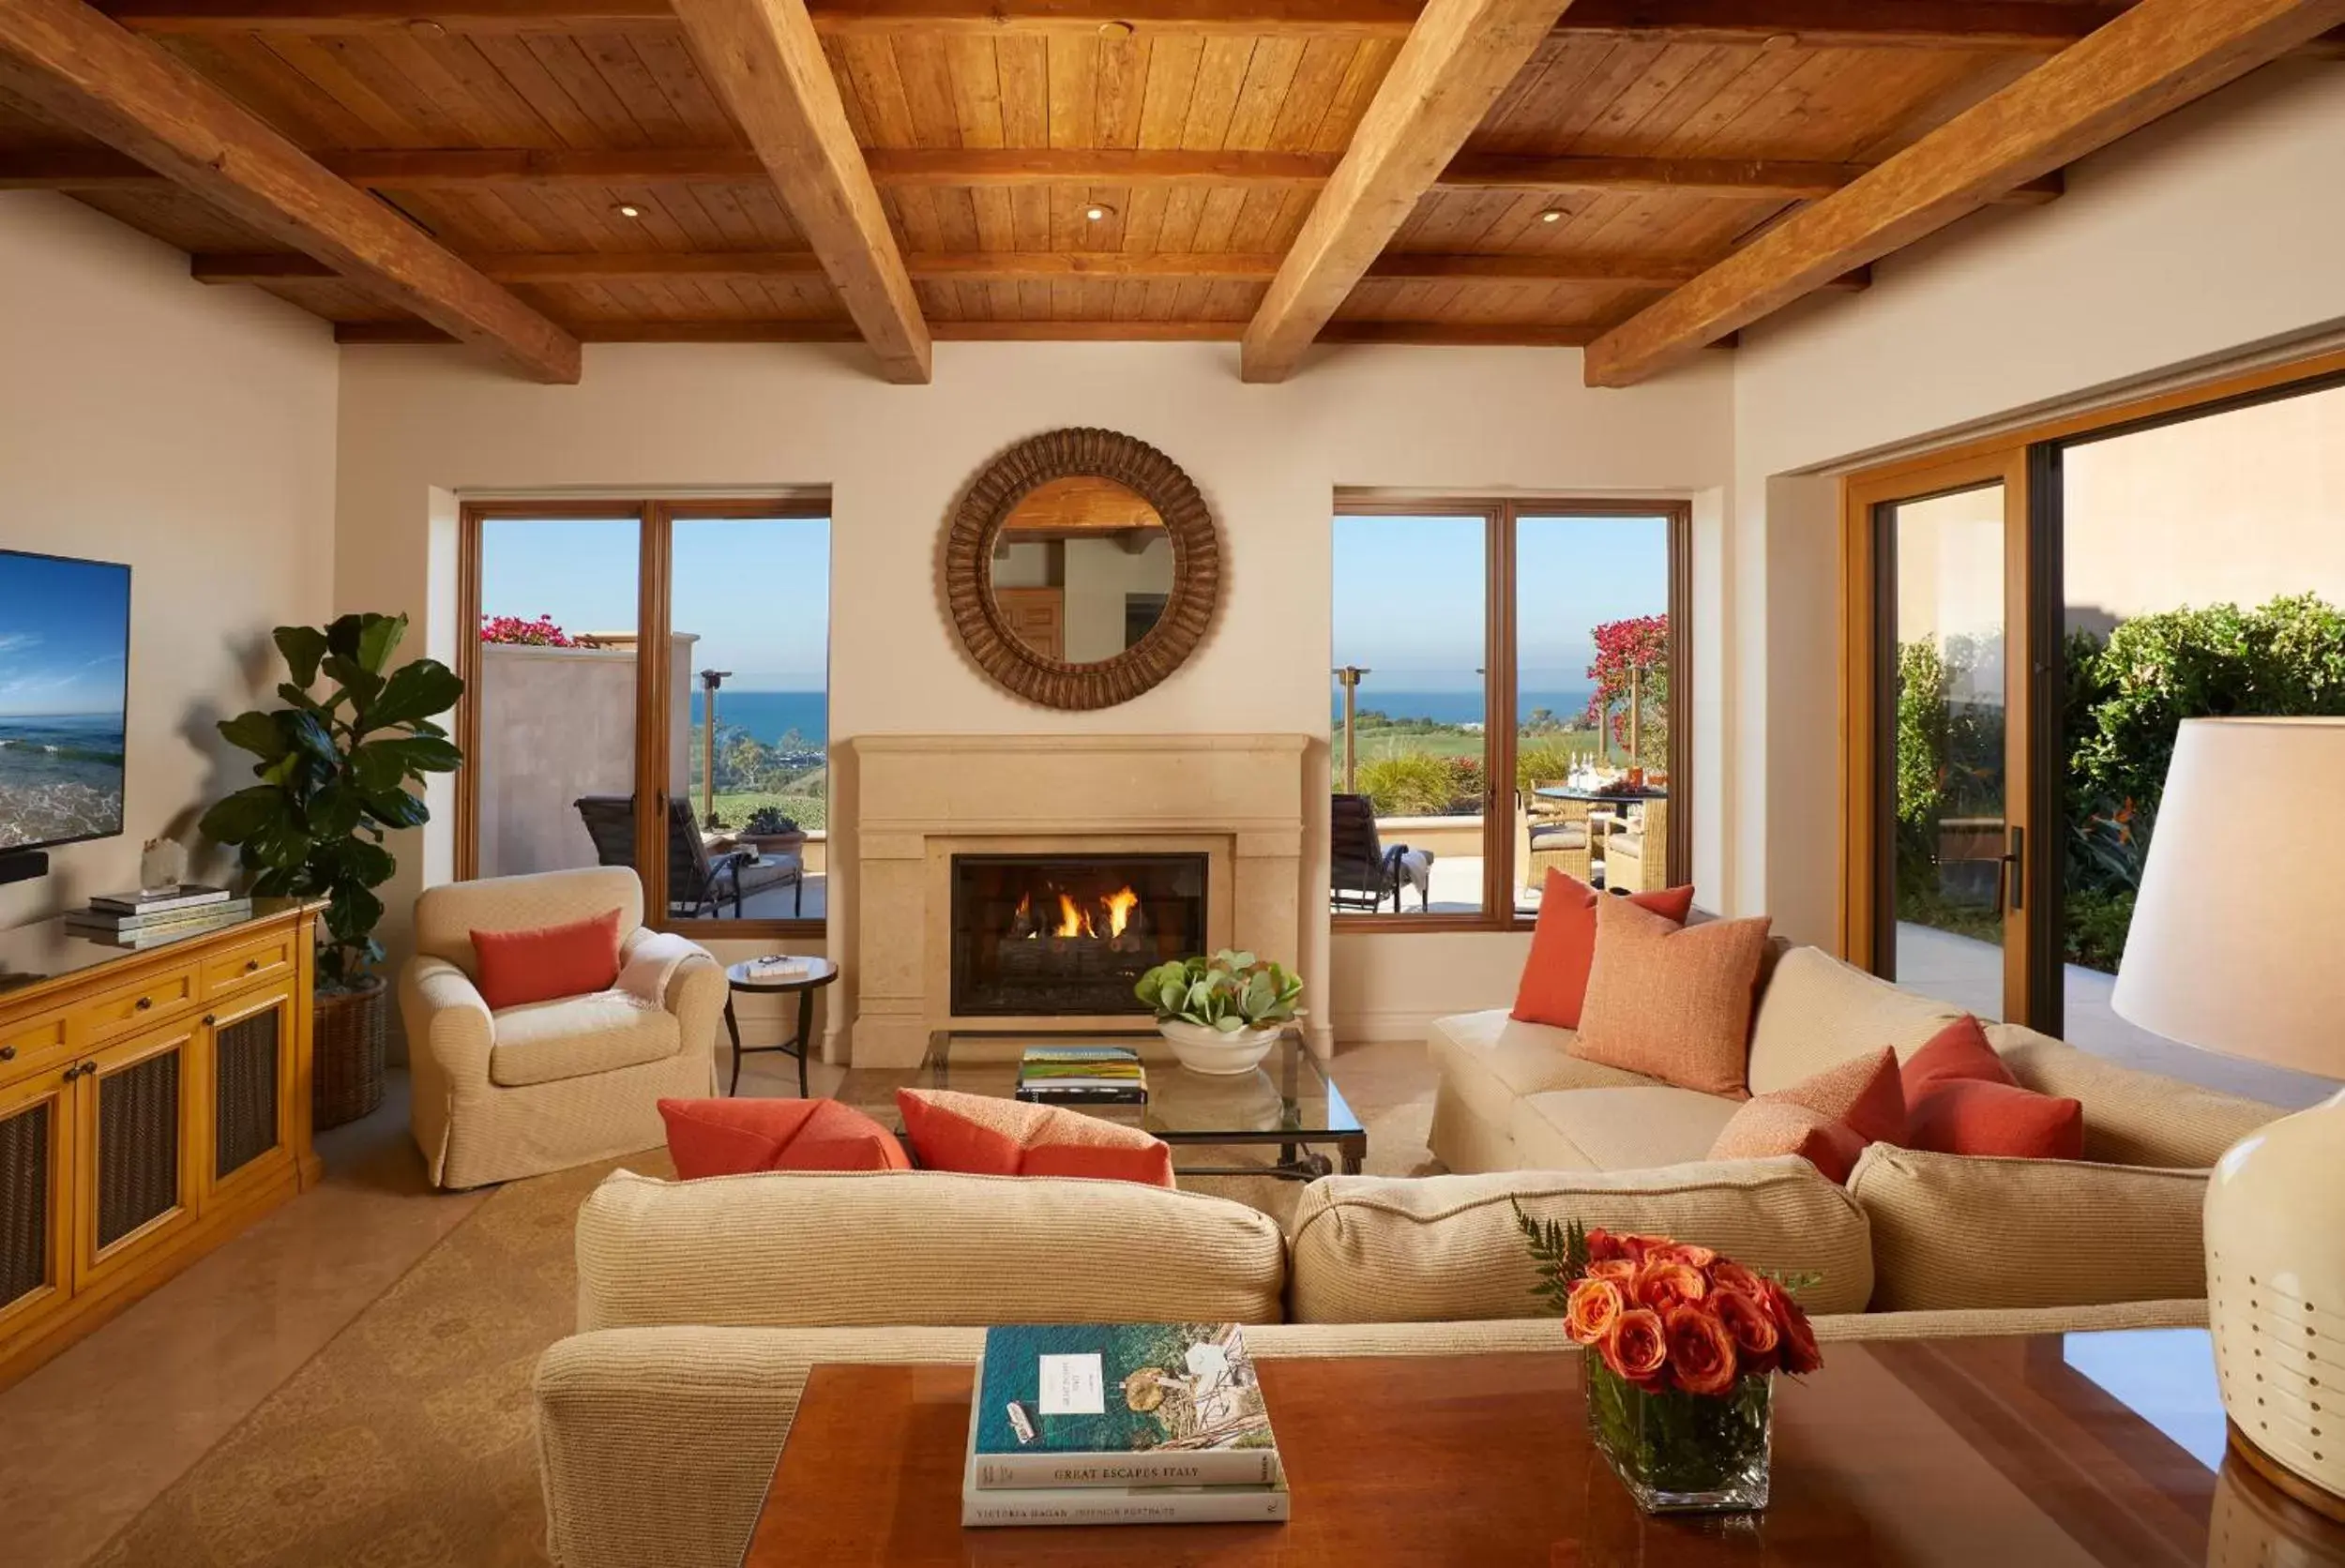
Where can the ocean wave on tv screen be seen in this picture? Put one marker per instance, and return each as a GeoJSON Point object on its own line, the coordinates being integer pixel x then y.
{"type": "Point", "coordinates": [60, 778]}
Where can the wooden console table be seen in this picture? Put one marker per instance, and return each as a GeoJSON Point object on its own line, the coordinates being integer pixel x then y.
{"type": "Point", "coordinates": [152, 1104]}
{"type": "Point", "coordinates": [1921, 1454]}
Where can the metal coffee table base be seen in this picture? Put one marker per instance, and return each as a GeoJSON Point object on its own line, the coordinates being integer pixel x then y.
{"type": "Point", "coordinates": [1297, 1160]}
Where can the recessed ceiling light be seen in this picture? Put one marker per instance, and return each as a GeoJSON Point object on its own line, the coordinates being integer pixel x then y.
{"type": "Point", "coordinates": [1116, 29]}
{"type": "Point", "coordinates": [1552, 214]}
{"type": "Point", "coordinates": [424, 27]}
{"type": "Point", "coordinates": [627, 209]}
{"type": "Point", "coordinates": [1099, 212]}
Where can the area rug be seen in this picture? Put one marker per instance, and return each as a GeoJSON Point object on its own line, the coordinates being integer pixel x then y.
{"type": "Point", "coordinates": [409, 1441]}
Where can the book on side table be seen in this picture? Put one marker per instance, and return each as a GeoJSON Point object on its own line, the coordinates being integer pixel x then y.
{"type": "Point", "coordinates": [1092, 1423]}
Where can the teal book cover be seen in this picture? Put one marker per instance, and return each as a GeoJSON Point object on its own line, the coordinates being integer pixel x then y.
{"type": "Point", "coordinates": [1162, 1397]}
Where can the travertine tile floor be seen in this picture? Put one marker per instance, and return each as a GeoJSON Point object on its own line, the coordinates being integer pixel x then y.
{"type": "Point", "coordinates": [89, 1439]}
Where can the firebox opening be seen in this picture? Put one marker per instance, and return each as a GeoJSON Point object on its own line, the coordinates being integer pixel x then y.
{"type": "Point", "coordinates": [1037, 935]}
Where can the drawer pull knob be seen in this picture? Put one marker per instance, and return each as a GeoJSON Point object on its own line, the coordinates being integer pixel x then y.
{"type": "Point", "coordinates": [8, 1053]}
{"type": "Point", "coordinates": [145, 1003]}
{"type": "Point", "coordinates": [250, 965]}
{"type": "Point", "coordinates": [74, 1072]}
{"type": "Point", "coordinates": [209, 1021]}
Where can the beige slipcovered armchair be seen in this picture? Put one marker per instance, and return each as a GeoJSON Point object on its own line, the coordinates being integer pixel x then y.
{"type": "Point", "coordinates": [552, 1084]}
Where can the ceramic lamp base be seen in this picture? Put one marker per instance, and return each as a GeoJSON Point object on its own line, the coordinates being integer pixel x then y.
{"type": "Point", "coordinates": [2275, 1229]}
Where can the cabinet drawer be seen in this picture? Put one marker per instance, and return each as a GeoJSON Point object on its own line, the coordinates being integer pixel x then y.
{"type": "Point", "coordinates": [159, 996]}
{"type": "Point", "coordinates": [269, 958]}
{"type": "Point", "coordinates": [28, 1048]}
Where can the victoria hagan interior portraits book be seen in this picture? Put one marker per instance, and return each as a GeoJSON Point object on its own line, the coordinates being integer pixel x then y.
{"type": "Point", "coordinates": [1119, 1405]}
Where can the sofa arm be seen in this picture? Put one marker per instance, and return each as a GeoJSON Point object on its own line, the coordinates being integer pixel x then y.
{"type": "Point", "coordinates": [654, 1445]}
{"type": "Point", "coordinates": [2131, 1116]}
{"type": "Point", "coordinates": [447, 1019]}
{"type": "Point", "coordinates": [694, 990]}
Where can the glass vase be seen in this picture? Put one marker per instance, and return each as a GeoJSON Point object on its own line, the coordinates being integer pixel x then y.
{"type": "Point", "coordinates": [1684, 1452]}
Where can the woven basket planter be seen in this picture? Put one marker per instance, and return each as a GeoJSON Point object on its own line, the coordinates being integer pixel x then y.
{"type": "Point", "coordinates": [350, 1030]}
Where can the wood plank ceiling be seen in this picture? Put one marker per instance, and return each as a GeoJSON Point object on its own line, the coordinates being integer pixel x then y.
{"type": "Point", "coordinates": [1054, 168]}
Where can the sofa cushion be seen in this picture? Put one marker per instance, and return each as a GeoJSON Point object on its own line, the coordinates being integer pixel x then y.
{"type": "Point", "coordinates": [577, 1036]}
{"type": "Point", "coordinates": [1490, 1060]}
{"type": "Point", "coordinates": [730, 1138]}
{"type": "Point", "coordinates": [1554, 982]}
{"type": "Point", "coordinates": [1387, 1249]}
{"type": "Point", "coordinates": [1816, 1012]}
{"type": "Point", "coordinates": [1671, 1001]}
{"type": "Point", "coordinates": [982, 1135]}
{"type": "Point", "coordinates": [919, 1247]}
{"type": "Point", "coordinates": [1616, 1129]}
{"type": "Point", "coordinates": [2130, 1117]}
{"type": "Point", "coordinates": [1967, 1231]}
{"type": "Point", "coordinates": [1961, 1099]}
{"type": "Point", "coordinates": [1826, 1120]}
{"type": "Point", "coordinates": [545, 963]}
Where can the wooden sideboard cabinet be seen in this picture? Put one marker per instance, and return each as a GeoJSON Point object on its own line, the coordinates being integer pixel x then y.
{"type": "Point", "coordinates": [152, 1104]}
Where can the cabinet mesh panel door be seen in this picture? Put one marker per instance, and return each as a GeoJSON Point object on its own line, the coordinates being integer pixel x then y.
{"type": "Point", "coordinates": [245, 1116]}
{"type": "Point", "coordinates": [138, 1146]}
{"type": "Point", "coordinates": [28, 1140]}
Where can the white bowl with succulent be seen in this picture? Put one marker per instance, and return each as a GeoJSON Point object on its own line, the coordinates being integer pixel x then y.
{"type": "Point", "coordinates": [1221, 1015]}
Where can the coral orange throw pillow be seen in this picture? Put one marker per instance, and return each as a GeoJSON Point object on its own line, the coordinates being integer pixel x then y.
{"type": "Point", "coordinates": [985, 1137]}
{"type": "Point", "coordinates": [547, 962]}
{"type": "Point", "coordinates": [730, 1138]}
{"type": "Point", "coordinates": [1961, 1099]}
{"type": "Point", "coordinates": [1562, 944]}
{"type": "Point", "coordinates": [1671, 1001]}
{"type": "Point", "coordinates": [1826, 1119]}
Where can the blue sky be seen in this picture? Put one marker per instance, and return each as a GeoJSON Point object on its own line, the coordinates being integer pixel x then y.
{"type": "Point", "coordinates": [1409, 592]}
{"type": "Point", "coordinates": [756, 591]}
{"type": "Point", "coordinates": [63, 628]}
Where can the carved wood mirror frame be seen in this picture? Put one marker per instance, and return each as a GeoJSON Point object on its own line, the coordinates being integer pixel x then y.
{"type": "Point", "coordinates": [968, 567]}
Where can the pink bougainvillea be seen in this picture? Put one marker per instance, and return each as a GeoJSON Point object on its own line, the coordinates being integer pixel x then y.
{"type": "Point", "coordinates": [539, 633]}
{"type": "Point", "coordinates": [1632, 655]}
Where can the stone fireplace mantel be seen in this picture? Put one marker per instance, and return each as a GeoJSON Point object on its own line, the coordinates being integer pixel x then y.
{"type": "Point", "coordinates": [1238, 799]}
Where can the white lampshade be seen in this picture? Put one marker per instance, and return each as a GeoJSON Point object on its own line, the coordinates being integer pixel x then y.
{"type": "Point", "coordinates": [2238, 937]}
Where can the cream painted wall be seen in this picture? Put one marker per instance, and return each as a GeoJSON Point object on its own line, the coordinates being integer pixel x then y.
{"type": "Point", "coordinates": [2214, 233]}
{"type": "Point", "coordinates": [418, 425]}
{"type": "Point", "coordinates": [188, 431]}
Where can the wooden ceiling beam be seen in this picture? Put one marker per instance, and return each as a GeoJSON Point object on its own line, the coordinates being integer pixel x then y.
{"type": "Point", "coordinates": [2153, 59]}
{"type": "Point", "coordinates": [1457, 59]}
{"type": "Point", "coordinates": [2003, 26]}
{"type": "Point", "coordinates": [596, 266]}
{"type": "Point", "coordinates": [70, 61]}
{"type": "Point", "coordinates": [897, 168]}
{"type": "Point", "coordinates": [767, 66]}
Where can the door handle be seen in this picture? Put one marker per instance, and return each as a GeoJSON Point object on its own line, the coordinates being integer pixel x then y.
{"type": "Point", "coordinates": [2015, 867]}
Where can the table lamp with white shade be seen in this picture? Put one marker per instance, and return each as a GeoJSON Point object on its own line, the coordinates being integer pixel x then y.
{"type": "Point", "coordinates": [2244, 954]}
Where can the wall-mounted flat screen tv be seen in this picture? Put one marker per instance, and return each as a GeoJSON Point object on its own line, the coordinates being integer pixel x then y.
{"type": "Point", "coordinates": [65, 666]}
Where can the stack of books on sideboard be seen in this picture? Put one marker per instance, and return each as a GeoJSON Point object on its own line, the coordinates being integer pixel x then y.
{"type": "Point", "coordinates": [149, 916]}
{"type": "Point", "coordinates": [1098, 1423]}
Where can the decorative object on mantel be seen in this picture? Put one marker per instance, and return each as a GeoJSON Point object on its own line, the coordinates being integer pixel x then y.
{"type": "Point", "coordinates": [334, 773]}
{"type": "Point", "coordinates": [1148, 559]}
{"type": "Point", "coordinates": [2230, 958]}
{"type": "Point", "coordinates": [1681, 1351]}
{"type": "Point", "coordinates": [1221, 1015]}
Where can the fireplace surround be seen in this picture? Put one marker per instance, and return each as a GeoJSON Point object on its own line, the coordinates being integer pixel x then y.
{"type": "Point", "coordinates": [1232, 805]}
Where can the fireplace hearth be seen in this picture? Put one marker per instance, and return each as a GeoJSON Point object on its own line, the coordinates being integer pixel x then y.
{"type": "Point", "coordinates": [1067, 935]}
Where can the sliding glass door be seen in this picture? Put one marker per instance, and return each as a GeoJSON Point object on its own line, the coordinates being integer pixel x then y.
{"type": "Point", "coordinates": [1944, 815]}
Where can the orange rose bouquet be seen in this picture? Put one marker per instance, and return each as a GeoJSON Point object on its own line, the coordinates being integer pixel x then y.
{"type": "Point", "coordinates": [1682, 1347]}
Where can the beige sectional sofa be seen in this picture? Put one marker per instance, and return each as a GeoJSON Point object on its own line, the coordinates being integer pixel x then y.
{"type": "Point", "coordinates": [702, 1304]}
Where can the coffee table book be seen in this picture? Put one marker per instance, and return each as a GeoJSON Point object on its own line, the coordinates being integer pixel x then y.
{"type": "Point", "coordinates": [1119, 1406]}
{"type": "Point", "coordinates": [1100, 1503]}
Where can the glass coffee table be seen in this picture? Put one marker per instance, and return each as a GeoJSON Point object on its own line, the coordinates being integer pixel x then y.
{"type": "Point", "coordinates": [1288, 1103]}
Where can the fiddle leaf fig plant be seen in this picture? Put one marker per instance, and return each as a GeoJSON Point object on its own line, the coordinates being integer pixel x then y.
{"type": "Point", "coordinates": [335, 766]}
{"type": "Point", "coordinates": [1229, 991]}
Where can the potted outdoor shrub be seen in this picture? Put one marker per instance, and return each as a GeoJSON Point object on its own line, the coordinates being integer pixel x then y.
{"type": "Point", "coordinates": [335, 768]}
{"type": "Point", "coordinates": [768, 831]}
{"type": "Point", "coordinates": [1222, 1014]}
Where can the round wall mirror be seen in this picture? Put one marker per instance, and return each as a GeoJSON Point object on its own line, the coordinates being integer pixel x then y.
{"type": "Point", "coordinates": [1082, 569]}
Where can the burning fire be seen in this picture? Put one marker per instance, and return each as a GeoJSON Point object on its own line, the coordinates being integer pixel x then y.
{"type": "Point", "coordinates": [1076, 920]}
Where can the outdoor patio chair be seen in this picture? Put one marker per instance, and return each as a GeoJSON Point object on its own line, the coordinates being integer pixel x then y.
{"type": "Point", "coordinates": [1364, 873]}
{"type": "Point", "coordinates": [1637, 859]}
{"type": "Point", "coordinates": [1558, 834]}
{"type": "Point", "coordinates": [699, 882]}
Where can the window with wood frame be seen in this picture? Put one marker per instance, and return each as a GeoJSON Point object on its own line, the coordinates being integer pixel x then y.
{"type": "Point", "coordinates": [1501, 706]}
{"type": "Point", "coordinates": [649, 686]}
